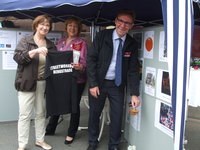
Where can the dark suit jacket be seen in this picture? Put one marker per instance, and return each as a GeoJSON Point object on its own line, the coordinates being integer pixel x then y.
{"type": "Point", "coordinates": [100, 55]}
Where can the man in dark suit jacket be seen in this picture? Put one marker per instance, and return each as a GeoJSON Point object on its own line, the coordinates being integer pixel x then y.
{"type": "Point", "coordinates": [102, 63]}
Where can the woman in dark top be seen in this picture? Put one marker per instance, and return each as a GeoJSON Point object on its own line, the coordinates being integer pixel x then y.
{"type": "Point", "coordinates": [72, 42]}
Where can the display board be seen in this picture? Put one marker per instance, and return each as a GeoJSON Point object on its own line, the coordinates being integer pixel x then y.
{"type": "Point", "coordinates": [8, 95]}
{"type": "Point", "coordinates": [152, 127]}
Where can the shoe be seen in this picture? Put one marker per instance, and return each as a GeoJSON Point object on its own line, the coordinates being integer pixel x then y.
{"type": "Point", "coordinates": [21, 148]}
{"type": "Point", "coordinates": [43, 145]}
{"type": "Point", "coordinates": [91, 147]}
{"type": "Point", "coordinates": [69, 142]}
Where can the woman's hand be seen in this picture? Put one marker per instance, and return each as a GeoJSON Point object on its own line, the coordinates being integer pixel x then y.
{"type": "Point", "coordinates": [40, 50]}
{"type": "Point", "coordinates": [78, 66]}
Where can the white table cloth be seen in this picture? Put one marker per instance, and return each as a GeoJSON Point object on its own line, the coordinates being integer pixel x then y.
{"type": "Point", "coordinates": [194, 88]}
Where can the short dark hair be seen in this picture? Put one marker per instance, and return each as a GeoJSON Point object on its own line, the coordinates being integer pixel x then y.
{"type": "Point", "coordinates": [40, 19]}
{"type": "Point", "coordinates": [127, 12]}
{"type": "Point", "coordinates": [75, 20]}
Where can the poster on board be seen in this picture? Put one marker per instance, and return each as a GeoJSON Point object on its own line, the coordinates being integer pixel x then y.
{"type": "Point", "coordinates": [164, 119]}
{"type": "Point", "coordinates": [148, 44]}
{"type": "Point", "coordinates": [163, 86]}
{"type": "Point", "coordinates": [21, 34]}
{"type": "Point", "coordinates": [7, 60]}
{"type": "Point", "coordinates": [7, 40]}
{"type": "Point", "coordinates": [162, 47]}
{"type": "Point", "coordinates": [150, 79]}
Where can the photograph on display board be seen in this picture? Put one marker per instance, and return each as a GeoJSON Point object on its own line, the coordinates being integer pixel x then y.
{"type": "Point", "coordinates": [164, 119]}
{"type": "Point", "coordinates": [162, 47]}
{"type": "Point", "coordinates": [166, 116]}
{"type": "Point", "coordinates": [163, 85]}
{"type": "Point", "coordinates": [165, 88]}
{"type": "Point", "coordinates": [150, 79]}
{"type": "Point", "coordinates": [148, 44]}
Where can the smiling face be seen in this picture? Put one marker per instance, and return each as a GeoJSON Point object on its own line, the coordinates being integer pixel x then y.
{"type": "Point", "coordinates": [72, 29]}
{"type": "Point", "coordinates": [42, 24]}
{"type": "Point", "coordinates": [43, 28]}
{"type": "Point", "coordinates": [123, 24]}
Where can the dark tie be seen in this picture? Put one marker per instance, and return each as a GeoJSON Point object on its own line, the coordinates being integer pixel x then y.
{"type": "Point", "coordinates": [118, 68]}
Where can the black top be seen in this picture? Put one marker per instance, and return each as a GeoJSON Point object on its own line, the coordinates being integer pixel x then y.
{"type": "Point", "coordinates": [61, 85]}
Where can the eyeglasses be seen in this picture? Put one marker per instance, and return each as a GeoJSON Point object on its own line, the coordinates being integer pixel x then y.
{"type": "Point", "coordinates": [47, 25]}
{"type": "Point", "coordinates": [124, 22]}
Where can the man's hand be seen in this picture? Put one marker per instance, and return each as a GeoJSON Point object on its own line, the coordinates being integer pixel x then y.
{"type": "Point", "coordinates": [135, 101]}
{"type": "Point", "coordinates": [95, 91]}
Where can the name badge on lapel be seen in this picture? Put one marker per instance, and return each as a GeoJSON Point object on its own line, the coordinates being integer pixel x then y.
{"type": "Point", "coordinates": [127, 54]}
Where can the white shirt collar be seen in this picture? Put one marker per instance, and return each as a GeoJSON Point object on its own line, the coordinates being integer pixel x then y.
{"type": "Point", "coordinates": [115, 36]}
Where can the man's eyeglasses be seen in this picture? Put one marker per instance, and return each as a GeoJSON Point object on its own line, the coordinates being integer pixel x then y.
{"type": "Point", "coordinates": [124, 22]}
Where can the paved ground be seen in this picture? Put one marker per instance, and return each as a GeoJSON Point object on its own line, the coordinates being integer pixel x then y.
{"type": "Point", "coordinates": [8, 136]}
{"type": "Point", "coordinates": [192, 129]}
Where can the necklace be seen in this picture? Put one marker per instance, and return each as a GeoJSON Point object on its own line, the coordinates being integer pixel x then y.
{"type": "Point", "coordinates": [40, 42]}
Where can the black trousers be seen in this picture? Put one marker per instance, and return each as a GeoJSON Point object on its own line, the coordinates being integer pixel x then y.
{"type": "Point", "coordinates": [116, 98]}
{"type": "Point", "coordinates": [75, 117]}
